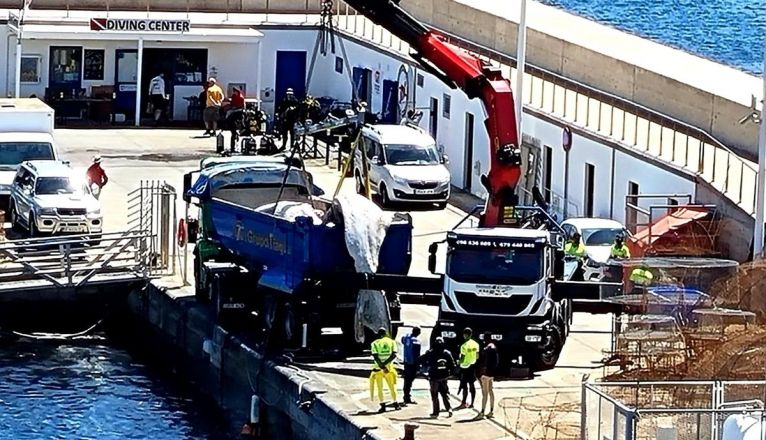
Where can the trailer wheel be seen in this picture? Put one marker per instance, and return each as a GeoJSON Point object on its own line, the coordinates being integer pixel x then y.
{"type": "Point", "coordinates": [546, 358]}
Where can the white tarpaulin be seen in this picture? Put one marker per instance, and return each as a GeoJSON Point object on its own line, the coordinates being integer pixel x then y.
{"type": "Point", "coordinates": [743, 427]}
{"type": "Point", "coordinates": [291, 210]}
{"type": "Point", "coordinates": [365, 226]}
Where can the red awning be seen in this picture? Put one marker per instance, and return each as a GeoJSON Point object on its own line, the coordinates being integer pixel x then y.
{"type": "Point", "coordinates": [666, 226]}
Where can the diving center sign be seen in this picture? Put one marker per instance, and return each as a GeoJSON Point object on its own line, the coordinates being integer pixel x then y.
{"type": "Point", "coordinates": [139, 25]}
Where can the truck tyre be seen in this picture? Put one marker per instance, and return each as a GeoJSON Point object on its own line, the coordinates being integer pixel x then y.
{"type": "Point", "coordinates": [546, 358]}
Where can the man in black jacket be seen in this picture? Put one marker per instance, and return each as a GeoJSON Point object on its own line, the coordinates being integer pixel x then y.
{"type": "Point", "coordinates": [440, 364]}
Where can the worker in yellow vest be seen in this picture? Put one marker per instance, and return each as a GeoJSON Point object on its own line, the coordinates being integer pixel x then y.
{"type": "Point", "coordinates": [640, 277]}
{"type": "Point", "coordinates": [469, 354]}
{"type": "Point", "coordinates": [619, 251]}
{"type": "Point", "coordinates": [574, 247]}
{"type": "Point", "coordinates": [383, 355]}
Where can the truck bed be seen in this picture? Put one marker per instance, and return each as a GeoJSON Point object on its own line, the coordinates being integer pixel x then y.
{"type": "Point", "coordinates": [292, 252]}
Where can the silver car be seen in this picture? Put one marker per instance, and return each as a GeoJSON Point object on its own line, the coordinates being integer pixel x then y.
{"type": "Point", "coordinates": [49, 198]}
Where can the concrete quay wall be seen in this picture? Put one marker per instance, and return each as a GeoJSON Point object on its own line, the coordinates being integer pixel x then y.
{"type": "Point", "coordinates": [175, 329]}
{"type": "Point", "coordinates": [691, 89]}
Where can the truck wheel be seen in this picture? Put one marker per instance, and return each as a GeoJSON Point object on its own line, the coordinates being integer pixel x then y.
{"type": "Point", "coordinates": [546, 358]}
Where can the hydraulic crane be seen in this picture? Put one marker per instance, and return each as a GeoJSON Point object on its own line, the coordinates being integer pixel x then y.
{"type": "Point", "coordinates": [459, 69]}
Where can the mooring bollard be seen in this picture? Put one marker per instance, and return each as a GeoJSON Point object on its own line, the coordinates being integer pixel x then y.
{"type": "Point", "coordinates": [409, 431]}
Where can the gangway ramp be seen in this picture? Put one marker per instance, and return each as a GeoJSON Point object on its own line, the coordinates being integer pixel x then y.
{"type": "Point", "coordinates": [68, 264]}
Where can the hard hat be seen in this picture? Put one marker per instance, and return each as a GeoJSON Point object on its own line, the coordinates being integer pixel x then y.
{"type": "Point", "coordinates": [619, 237]}
{"type": "Point", "coordinates": [382, 331]}
{"type": "Point", "coordinates": [211, 80]}
{"type": "Point", "coordinates": [97, 158]}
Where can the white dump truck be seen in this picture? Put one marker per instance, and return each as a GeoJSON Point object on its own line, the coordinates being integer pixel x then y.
{"type": "Point", "coordinates": [26, 133]}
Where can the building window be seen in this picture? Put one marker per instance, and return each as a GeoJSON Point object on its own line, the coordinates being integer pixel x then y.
{"type": "Point", "coordinates": [446, 108]}
{"type": "Point", "coordinates": [419, 80]}
{"type": "Point", "coordinates": [93, 63]}
{"type": "Point", "coordinates": [30, 69]}
{"type": "Point", "coordinates": [66, 66]}
{"type": "Point", "coordinates": [339, 64]}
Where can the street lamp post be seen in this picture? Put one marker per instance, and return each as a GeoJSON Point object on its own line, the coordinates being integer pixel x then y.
{"type": "Point", "coordinates": [521, 55]}
{"type": "Point", "coordinates": [761, 176]}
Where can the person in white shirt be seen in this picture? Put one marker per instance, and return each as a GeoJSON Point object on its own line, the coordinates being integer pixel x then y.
{"type": "Point", "coordinates": [157, 95]}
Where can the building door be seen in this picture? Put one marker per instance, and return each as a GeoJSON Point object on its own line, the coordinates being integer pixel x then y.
{"type": "Point", "coordinates": [390, 110]}
{"type": "Point", "coordinates": [468, 164]}
{"type": "Point", "coordinates": [362, 81]}
{"type": "Point", "coordinates": [548, 174]}
{"type": "Point", "coordinates": [433, 125]}
{"type": "Point", "coordinates": [590, 171]}
{"type": "Point", "coordinates": [125, 75]}
{"type": "Point", "coordinates": [631, 205]}
{"type": "Point", "coordinates": [290, 74]}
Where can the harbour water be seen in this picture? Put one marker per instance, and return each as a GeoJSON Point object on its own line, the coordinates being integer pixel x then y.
{"type": "Point", "coordinates": [727, 31]}
{"type": "Point", "coordinates": [95, 391]}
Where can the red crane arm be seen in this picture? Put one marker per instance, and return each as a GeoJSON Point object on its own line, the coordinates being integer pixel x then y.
{"type": "Point", "coordinates": [477, 79]}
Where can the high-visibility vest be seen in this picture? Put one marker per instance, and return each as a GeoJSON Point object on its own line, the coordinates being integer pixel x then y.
{"type": "Point", "coordinates": [621, 251]}
{"type": "Point", "coordinates": [577, 250]}
{"type": "Point", "coordinates": [469, 351]}
{"type": "Point", "coordinates": [641, 276]}
{"type": "Point", "coordinates": [383, 347]}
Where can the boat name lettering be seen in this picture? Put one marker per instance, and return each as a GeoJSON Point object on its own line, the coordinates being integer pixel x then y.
{"type": "Point", "coordinates": [267, 241]}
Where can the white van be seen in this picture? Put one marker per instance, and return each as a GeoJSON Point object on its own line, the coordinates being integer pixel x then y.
{"type": "Point", "coordinates": [404, 164]}
{"type": "Point", "coordinates": [26, 133]}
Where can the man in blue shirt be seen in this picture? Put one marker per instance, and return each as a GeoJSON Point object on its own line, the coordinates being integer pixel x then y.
{"type": "Point", "coordinates": [411, 349]}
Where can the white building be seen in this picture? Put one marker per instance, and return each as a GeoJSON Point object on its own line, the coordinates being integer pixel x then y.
{"type": "Point", "coordinates": [63, 53]}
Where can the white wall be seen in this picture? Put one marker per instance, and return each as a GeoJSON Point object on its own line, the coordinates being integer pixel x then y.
{"type": "Point", "coordinates": [609, 197]}
{"type": "Point", "coordinates": [239, 63]}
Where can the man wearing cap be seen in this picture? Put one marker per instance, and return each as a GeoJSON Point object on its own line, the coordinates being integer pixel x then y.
{"type": "Point", "coordinates": [213, 103]}
{"type": "Point", "coordinates": [383, 355]}
{"type": "Point", "coordinates": [96, 176]}
{"type": "Point", "coordinates": [411, 348]}
{"type": "Point", "coordinates": [440, 364]}
{"type": "Point", "coordinates": [288, 115]}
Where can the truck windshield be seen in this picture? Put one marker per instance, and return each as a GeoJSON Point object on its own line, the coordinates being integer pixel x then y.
{"type": "Point", "coordinates": [522, 267]}
{"type": "Point", "coordinates": [399, 154]}
{"type": "Point", "coordinates": [601, 237]}
{"type": "Point", "coordinates": [13, 153]}
{"type": "Point", "coordinates": [56, 185]}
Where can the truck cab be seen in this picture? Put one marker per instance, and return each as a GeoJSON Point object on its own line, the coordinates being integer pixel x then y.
{"type": "Point", "coordinates": [500, 280]}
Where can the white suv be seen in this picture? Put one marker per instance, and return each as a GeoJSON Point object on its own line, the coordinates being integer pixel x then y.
{"type": "Point", "coordinates": [48, 197]}
{"type": "Point", "coordinates": [404, 165]}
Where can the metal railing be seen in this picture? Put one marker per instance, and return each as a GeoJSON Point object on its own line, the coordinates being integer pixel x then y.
{"type": "Point", "coordinates": [224, 6]}
{"type": "Point", "coordinates": [616, 119]}
{"type": "Point", "coordinates": [73, 261]}
{"type": "Point", "coordinates": [152, 212]}
{"type": "Point", "coordinates": [681, 409]}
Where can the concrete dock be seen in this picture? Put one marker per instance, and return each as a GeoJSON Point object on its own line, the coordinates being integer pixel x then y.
{"type": "Point", "coordinates": [523, 408]}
